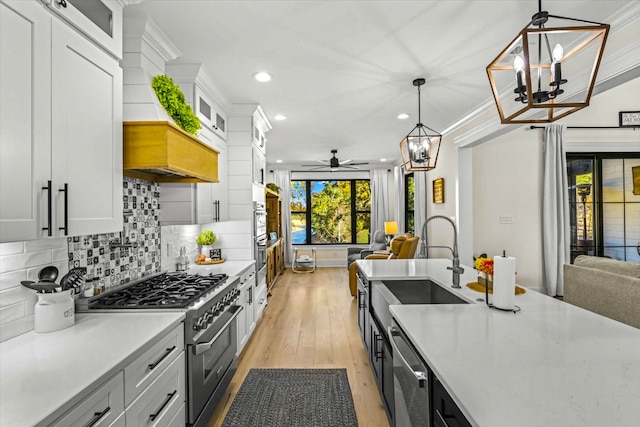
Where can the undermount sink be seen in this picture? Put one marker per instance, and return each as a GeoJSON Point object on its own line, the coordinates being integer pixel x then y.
{"type": "Point", "coordinates": [421, 292]}
{"type": "Point", "coordinates": [394, 292]}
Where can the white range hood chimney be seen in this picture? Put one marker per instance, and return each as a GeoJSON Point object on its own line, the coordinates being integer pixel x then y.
{"type": "Point", "coordinates": [145, 51]}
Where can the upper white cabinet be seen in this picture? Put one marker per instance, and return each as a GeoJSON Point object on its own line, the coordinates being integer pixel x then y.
{"type": "Point", "coordinates": [25, 119]}
{"type": "Point", "coordinates": [60, 128]}
{"type": "Point", "coordinates": [100, 20]}
{"type": "Point", "coordinates": [210, 113]}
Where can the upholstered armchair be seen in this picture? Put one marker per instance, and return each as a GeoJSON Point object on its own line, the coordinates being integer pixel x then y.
{"type": "Point", "coordinates": [402, 247]}
{"type": "Point", "coordinates": [377, 243]}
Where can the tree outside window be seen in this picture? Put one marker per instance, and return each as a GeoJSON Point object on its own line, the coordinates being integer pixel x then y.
{"type": "Point", "coordinates": [330, 211]}
{"type": "Point", "coordinates": [409, 203]}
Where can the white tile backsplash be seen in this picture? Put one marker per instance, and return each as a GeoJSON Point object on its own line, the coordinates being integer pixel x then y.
{"type": "Point", "coordinates": [11, 248]}
{"type": "Point", "coordinates": [22, 261]}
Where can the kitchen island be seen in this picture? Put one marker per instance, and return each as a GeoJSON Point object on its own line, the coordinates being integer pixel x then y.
{"type": "Point", "coordinates": [43, 375]}
{"type": "Point", "coordinates": [551, 364]}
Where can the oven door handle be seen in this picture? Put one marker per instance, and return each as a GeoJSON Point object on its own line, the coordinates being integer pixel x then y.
{"type": "Point", "coordinates": [201, 348]}
{"type": "Point", "coordinates": [421, 376]}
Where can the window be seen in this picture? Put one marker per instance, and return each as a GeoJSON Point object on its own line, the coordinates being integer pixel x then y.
{"type": "Point", "coordinates": [330, 211]}
{"type": "Point", "coordinates": [604, 205]}
{"type": "Point", "coordinates": [409, 203]}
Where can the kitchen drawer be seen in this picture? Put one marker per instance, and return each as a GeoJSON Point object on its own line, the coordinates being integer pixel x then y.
{"type": "Point", "coordinates": [101, 407]}
{"type": "Point", "coordinates": [146, 368]}
{"type": "Point", "coordinates": [160, 402]}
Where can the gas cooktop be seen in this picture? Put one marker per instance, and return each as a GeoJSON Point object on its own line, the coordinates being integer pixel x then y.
{"type": "Point", "coordinates": [166, 290]}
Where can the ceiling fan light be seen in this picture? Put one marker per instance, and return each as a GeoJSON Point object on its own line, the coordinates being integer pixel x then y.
{"type": "Point", "coordinates": [549, 84]}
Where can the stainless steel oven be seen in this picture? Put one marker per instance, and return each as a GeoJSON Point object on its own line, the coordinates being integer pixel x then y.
{"type": "Point", "coordinates": [411, 379]}
{"type": "Point", "coordinates": [211, 363]}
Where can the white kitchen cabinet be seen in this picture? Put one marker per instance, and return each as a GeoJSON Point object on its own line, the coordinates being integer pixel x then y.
{"type": "Point", "coordinates": [101, 408]}
{"type": "Point", "coordinates": [86, 135]}
{"type": "Point", "coordinates": [162, 400]}
{"type": "Point", "coordinates": [246, 319]}
{"type": "Point", "coordinates": [60, 129]}
{"type": "Point", "coordinates": [100, 20]}
{"type": "Point", "coordinates": [260, 300]}
{"type": "Point", "coordinates": [259, 167]}
{"type": "Point", "coordinates": [147, 367]}
{"type": "Point", "coordinates": [25, 119]}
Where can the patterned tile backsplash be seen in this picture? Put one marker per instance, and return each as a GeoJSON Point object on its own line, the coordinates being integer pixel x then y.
{"type": "Point", "coordinates": [103, 255]}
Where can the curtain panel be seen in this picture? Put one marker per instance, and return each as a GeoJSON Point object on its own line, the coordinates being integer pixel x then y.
{"type": "Point", "coordinates": [380, 206]}
{"type": "Point", "coordinates": [282, 178]}
{"type": "Point", "coordinates": [555, 210]}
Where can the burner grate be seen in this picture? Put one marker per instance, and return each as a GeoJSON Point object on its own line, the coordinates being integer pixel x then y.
{"type": "Point", "coordinates": [168, 290]}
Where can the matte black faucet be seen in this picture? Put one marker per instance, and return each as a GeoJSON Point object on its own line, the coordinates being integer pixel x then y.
{"type": "Point", "coordinates": [455, 267]}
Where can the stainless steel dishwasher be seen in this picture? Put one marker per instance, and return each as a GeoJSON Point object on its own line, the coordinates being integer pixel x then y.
{"type": "Point", "coordinates": [411, 379]}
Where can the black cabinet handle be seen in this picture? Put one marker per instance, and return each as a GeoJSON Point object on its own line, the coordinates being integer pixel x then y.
{"type": "Point", "coordinates": [97, 416]}
{"type": "Point", "coordinates": [167, 352]}
{"type": "Point", "coordinates": [65, 190]}
{"type": "Point", "coordinates": [250, 289]}
{"type": "Point", "coordinates": [48, 227]}
{"type": "Point", "coordinates": [377, 348]}
{"type": "Point", "coordinates": [152, 417]}
{"type": "Point", "coordinates": [62, 3]}
{"type": "Point", "coordinates": [261, 176]}
{"type": "Point", "coordinates": [361, 303]}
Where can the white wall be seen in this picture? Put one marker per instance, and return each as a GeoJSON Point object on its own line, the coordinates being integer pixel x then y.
{"type": "Point", "coordinates": [507, 178]}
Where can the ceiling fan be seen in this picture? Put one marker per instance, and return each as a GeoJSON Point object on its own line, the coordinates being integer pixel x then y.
{"type": "Point", "coordinates": [333, 164]}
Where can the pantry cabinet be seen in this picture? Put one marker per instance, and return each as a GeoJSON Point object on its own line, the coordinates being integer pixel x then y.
{"type": "Point", "coordinates": [60, 128]}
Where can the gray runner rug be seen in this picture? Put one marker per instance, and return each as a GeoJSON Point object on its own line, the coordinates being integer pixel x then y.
{"type": "Point", "coordinates": [293, 398]}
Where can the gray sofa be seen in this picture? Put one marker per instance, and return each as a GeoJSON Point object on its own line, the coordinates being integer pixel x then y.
{"type": "Point", "coordinates": [605, 286]}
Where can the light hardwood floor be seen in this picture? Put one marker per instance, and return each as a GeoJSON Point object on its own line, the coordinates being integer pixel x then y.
{"type": "Point", "coordinates": [311, 322]}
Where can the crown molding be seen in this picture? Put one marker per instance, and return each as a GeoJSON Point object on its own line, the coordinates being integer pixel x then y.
{"type": "Point", "coordinates": [140, 27]}
{"type": "Point", "coordinates": [616, 68]}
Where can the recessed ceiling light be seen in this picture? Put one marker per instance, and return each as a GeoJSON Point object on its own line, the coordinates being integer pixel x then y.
{"type": "Point", "coordinates": [279, 161]}
{"type": "Point", "coordinates": [403, 116]}
{"type": "Point", "coordinates": [383, 160]}
{"type": "Point", "coordinates": [262, 76]}
{"type": "Point", "coordinates": [280, 117]}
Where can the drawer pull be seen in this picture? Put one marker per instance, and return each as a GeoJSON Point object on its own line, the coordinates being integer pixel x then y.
{"type": "Point", "coordinates": [164, 356]}
{"type": "Point", "coordinates": [62, 3]}
{"type": "Point", "coordinates": [98, 416]}
{"type": "Point", "coordinates": [152, 417]}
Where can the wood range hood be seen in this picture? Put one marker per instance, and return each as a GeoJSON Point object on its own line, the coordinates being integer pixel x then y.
{"type": "Point", "coordinates": [162, 152]}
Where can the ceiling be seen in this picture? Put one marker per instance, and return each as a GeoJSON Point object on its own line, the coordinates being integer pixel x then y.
{"type": "Point", "coordinates": [343, 70]}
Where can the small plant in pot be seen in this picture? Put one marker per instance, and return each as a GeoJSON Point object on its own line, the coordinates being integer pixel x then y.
{"type": "Point", "coordinates": [206, 239]}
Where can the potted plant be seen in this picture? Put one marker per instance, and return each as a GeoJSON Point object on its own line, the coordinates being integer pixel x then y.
{"type": "Point", "coordinates": [206, 239]}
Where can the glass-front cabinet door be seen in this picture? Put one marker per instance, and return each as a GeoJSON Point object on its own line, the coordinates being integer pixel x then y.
{"type": "Point", "coordinates": [100, 20]}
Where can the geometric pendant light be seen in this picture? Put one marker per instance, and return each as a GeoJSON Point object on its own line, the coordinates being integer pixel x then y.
{"type": "Point", "coordinates": [547, 72]}
{"type": "Point", "coordinates": [420, 148]}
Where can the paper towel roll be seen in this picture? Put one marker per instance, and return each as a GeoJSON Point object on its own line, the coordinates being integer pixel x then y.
{"type": "Point", "coordinates": [504, 282]}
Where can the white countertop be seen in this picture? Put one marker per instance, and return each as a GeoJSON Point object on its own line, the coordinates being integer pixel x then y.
{"type": "Point", "coordinates": [552, 364]}
{"type": "Point", "coordinates": [40, 373]}
{"type": "Point", "coordinates": [230, 268]}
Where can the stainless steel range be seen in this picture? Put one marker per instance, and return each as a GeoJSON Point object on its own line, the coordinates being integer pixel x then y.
{"type": "Point", "coordinates": [209, 303]}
